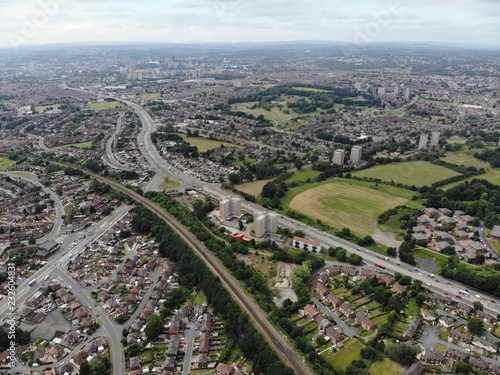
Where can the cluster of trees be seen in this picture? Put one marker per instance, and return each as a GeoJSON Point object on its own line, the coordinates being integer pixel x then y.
{"type": "Point", "coordinates": [491, 156]}
{"type": "Point", "coordinates": [478, 198]}
{"type": "Point", "coordinates": [405, 252]}
{"type": "Point", "coordinates": [272, 193]}
{"type": "Point", "coordinates": [96, 366]}
{"type": "Point", "coordinates": [485, 277]}
{"type": "Point", "coordinates": [341, 255]}
{"type": "Point", "coordinates": [192, 273]}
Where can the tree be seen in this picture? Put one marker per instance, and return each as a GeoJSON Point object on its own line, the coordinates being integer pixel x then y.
{"type": "Point", "coordinates": [340, 254]}
{"type": "Point", "coordinates": [477, 305]}
{"type": "Point", "coordinates": [420, 299]}
{"type": "Point", "coordinates": [355, 259]}
{"type": "Point", "coordinates": [401, 353]}
{"type": "Point", "coordinates": [154, 326]}
{"type": "Point", "coordinates": [392, 252]}
{"type": "Point", "coordinates": [269, 189]}
{"type": "Point", "coordinates": [475, 326]}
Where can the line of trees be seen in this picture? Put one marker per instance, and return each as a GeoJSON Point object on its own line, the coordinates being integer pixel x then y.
{"type": "Point", "coordinates": [192, 273]}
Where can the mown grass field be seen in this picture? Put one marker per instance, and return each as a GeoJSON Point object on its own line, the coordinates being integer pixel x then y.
{"type": "Point", "coordinates": [466, 159]}
{"type": "Point", "coordinates": [340, 203]}
{"type": "Point", "coordinates": [441, 260]}
{"type": "Point", "coordinates": [205, 144]}
{"type": "Point", "coordinates": [418, 173]}
{"type": "Point", "coordinates": [6, 163]}
{"type": "Point", "coordinates": [492, 176]}
{"type": "Point", "coordinates": [344, 357]}
{"type": "Point", "coordinates": [41, 108]}
{"type": "Point", "coordinates": [303, 175]}
{"type": "Point", "coordinates": [253, 188]}
{"type": "Point", "coordinates": [151, 96]}
{"type": "Point", "coordinates": [87, 144]}
{"type": "Point", "coordinates": [386, 366]}
{"type": "Point", "coordinates": [105, 105]}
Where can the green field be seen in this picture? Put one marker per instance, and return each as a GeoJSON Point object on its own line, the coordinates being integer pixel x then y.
{"type": "Point", "coordinates": [386, 366]}
{"type": "Point", "coordinates": [274, 114]}
{"type": "Point", "coordinates": [105, 105]}
{"type": "Point", "coordinates": [309, 89]}
{"type": "Point", "coordinates": [492, 176]}
{"type": "Point", "coordinates": [205, 144]}
{"type": "Point", "coordinates": [466, 159]}
{"type": "Point", "coordinates": [344, 357]}
{"type": "Point", "coordinates": [253, 188]}
{"type": "Point", "coordinates": [151, 96]}
{"type": "Point", "coordinates": [6, 163]}
{"type": "Point", "coordinates": [166, 185]}
{"type": "Point", "coordinates": [87, 144]}
{"type": "Point", "coordinates": [418, 173]}
{"type": "Point", "coordinates": [303, 175]}
{"type": "Point", "coordinates": [340, 203]}
{"type": "Point", "coordinates": [26, 175]}
{"type": "Point", "coordinates": [42, 108]}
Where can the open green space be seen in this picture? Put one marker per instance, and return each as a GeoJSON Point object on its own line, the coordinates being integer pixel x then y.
{"type": "Point", "coordinates": [26, 175]}
{"type": "Point", "coordinates": [344, 357]}
{"type": "Point", "coordinates": [205, 144]}
{"type": "Point", "coordinates": [6, 163]}
{"type": "Point", "coordinates": [253, 188]}
{"type": "Point", "coordinates": [41, 108]}
{"type": "Point", "coordinates": [340, 202]}
{"type": "Point", "coordinates": [394, 223]}
{"type": "Point", "coordinates": [386, 366]}
{"type": "Point", "coordinates": [169, 184]}
{"type": "Point", "coordinates": [151, 96]}
{"type": "Point", "coordinates": [274, 114]}
{"type": "Point", "coordinates": [87, 144]}
{"type": "Point", "coordinates": [105, 105]}
{"type": "Point", "coordinates": [492, 176]}
{"type": "Point", "coordinates": [418, 173]}
{"type": "Point", "coordinates": [465, 158]}
{"type": "Point", "coordinates": [303, 175]}
{"type": "Point", "coordinates": [395, 112]}
{"type": "Point", "coordinates": [309, 89]}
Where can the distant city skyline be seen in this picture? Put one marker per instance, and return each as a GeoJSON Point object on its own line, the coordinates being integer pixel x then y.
{"type": "Point", "coordinates": [462, 22]}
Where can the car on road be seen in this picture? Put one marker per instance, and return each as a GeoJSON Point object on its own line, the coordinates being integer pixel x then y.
{"type": "Point", "coordinates": [409, 269]}
{"type": "Point", "coordinates": [458, 296]}
{"type": "Point", "coordinates": [445, 293]}
{"type": "Point", "coordinates": [437, 280]}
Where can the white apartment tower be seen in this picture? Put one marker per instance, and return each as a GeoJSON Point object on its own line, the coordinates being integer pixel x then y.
{"type": "Point", "coordinates": [230, 208]}
{"type": "Point", "coordinates": [356, 154]}
{"type": "Point", "coordinates": [338, 157]}
{"type": "Point", "coordinates": [422, 143]}
{"type": "Point", "coordinates": [435, 139]}
{"type": "Point", "coordinates": [265, 223]}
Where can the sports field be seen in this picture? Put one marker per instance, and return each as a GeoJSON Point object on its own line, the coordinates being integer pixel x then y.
{"type": "Point", "coordinates": [205, 144]}
{"type": "Point", "coordinates": [6, 163]}
{"type": "Point", "coordinates": [348, 203]}
{"type": "Point", "coordinates": [418, 173]}
{"type": "Point", "coordinates": [105, 105]}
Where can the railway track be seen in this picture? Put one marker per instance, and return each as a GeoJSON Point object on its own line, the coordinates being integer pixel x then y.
{"type": "Point", "coordinates": [272, 335]}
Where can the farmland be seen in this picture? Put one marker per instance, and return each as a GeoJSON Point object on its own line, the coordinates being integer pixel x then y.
{"type": "Point", "coordinates": [418, 173]}
{"type": "Point", "coordinates": [338, 202]}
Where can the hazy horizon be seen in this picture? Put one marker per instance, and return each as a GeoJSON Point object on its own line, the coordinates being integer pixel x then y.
{"type": "Point", "coordinates": [460, 22]}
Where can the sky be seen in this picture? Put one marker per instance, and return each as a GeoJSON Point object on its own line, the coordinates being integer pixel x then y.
{"type": "Point", "coordinates": [31, 22]}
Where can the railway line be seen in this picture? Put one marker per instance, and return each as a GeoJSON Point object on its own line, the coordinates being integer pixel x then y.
{"type": "Point", "coordinates": [272, 335]}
